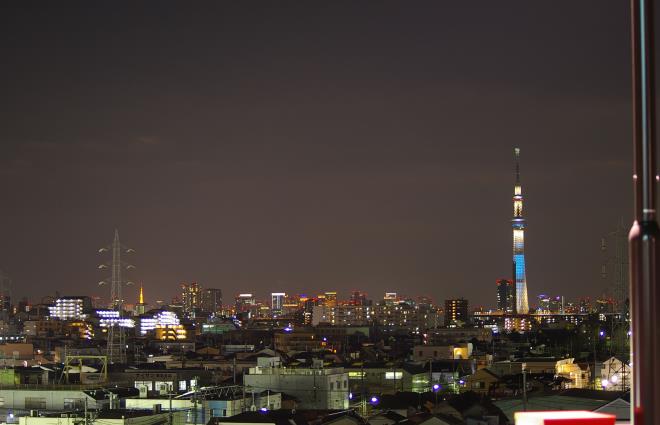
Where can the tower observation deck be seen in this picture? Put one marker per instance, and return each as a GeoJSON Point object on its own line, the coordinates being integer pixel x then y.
{"type": "Point", "coordinates": [518, 223]}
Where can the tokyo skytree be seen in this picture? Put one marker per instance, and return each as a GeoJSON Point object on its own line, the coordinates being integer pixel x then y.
{"type": "Point", "coordinates": [518, 223]}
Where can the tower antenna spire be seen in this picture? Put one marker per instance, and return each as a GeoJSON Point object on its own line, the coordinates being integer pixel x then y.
{"type": "Point", "coordinates": [516, 152]}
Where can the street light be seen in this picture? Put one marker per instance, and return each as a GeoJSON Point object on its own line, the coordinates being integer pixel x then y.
{"type": "Point", "coordinates": [436, 388]}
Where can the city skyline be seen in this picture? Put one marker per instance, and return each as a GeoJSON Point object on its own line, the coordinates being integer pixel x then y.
{"type": "Point", "coordinates": [142, 300]}
{"type": "Point", "coordinates": [333, 170]}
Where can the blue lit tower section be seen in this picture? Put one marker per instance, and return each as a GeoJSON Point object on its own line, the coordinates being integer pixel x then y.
{"type": "Point", "coordinates": [518, 222]}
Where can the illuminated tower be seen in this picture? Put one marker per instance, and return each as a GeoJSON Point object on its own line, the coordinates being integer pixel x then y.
{"type": "Point", "coordinates": [518, 222]}
{"type": "Point", "coordinates": [140, 307]}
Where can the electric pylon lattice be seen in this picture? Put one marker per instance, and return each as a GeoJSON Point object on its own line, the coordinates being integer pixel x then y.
{"type": "Point", "coordinates": [116, 349]}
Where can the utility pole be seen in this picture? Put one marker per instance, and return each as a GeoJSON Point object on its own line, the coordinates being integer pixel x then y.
{"type": "Point", "coordinates": [243, 387]}
{"type": "Point", "coordinates": [431, 374]}
{"type": "Point", "coordinates": [314, 379]}
{"type": "Point", "coordinates": [524, 378]}
{"type": "Point", "coordinates": [595, 377]}
{"type": "Point", "coordinates": [194, 400]}
{"type": "Point", "coordinates": [363, 402]}
{"type": "Point", "coordinates": [194, 397]}
{"type": "Point", "coordinates": [169, 393]}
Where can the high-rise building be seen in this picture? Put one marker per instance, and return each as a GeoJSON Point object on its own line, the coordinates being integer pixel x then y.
{"type": "Point", "coordinates": [191, 298]}
{"type": "Point", "coordinates": [342, 315]}
{"type": "Point", "coordinates": [359, 298]}
{"type": "Point", "coordinates": [244, 302]}
{"type": "Point", "coordinates": [390, 298]}
{"type": "Point", "coordinates": [212, 300]}
{"type": "Point", "coordinates": [70, 308]}
{"type": "Point", "coordinates": [160, 319]}
{"type": "Point", "coordinates": [518, 223]}
{"type": "Point", "coordinates": [506, 296]}
{"type": "Point", "coordinates": [5, 291]}
{"type": "Point", "coordinates": [550, 304]}
{"type": "Point", "coordinates": [276, 302]}
{"type": "Point", "coordinates": [456, 312]}
{"type": "Point", "coordinates": [331, 298]}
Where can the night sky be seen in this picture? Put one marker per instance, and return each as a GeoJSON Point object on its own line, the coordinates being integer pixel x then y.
{"type": "Point", "coordinates": [309, 146]}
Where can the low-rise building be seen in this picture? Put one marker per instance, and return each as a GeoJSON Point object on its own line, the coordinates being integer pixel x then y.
{"type": "Point", "coordinates": [108, 417]}
{"type": "Point", "coordinates": [442, 352]}
{"type": "Point", "coordinates": [297, 340]}
{"type": "Point", "coordinates": [482, 381]}
{"type": "Point", "coordinates": [48, 399]}
{"type": "Point", "coordinates": [446, 336]}
{"type": "Point", "coordinates": [615, 375]}
{"type": "Point", "coordinates": [315, 388]}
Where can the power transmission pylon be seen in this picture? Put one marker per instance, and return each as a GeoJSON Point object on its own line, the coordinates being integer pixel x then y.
{"type": "Point", "coordinates": [615, 270]}
{"type": "Point", "coordinates": [116, 350]}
